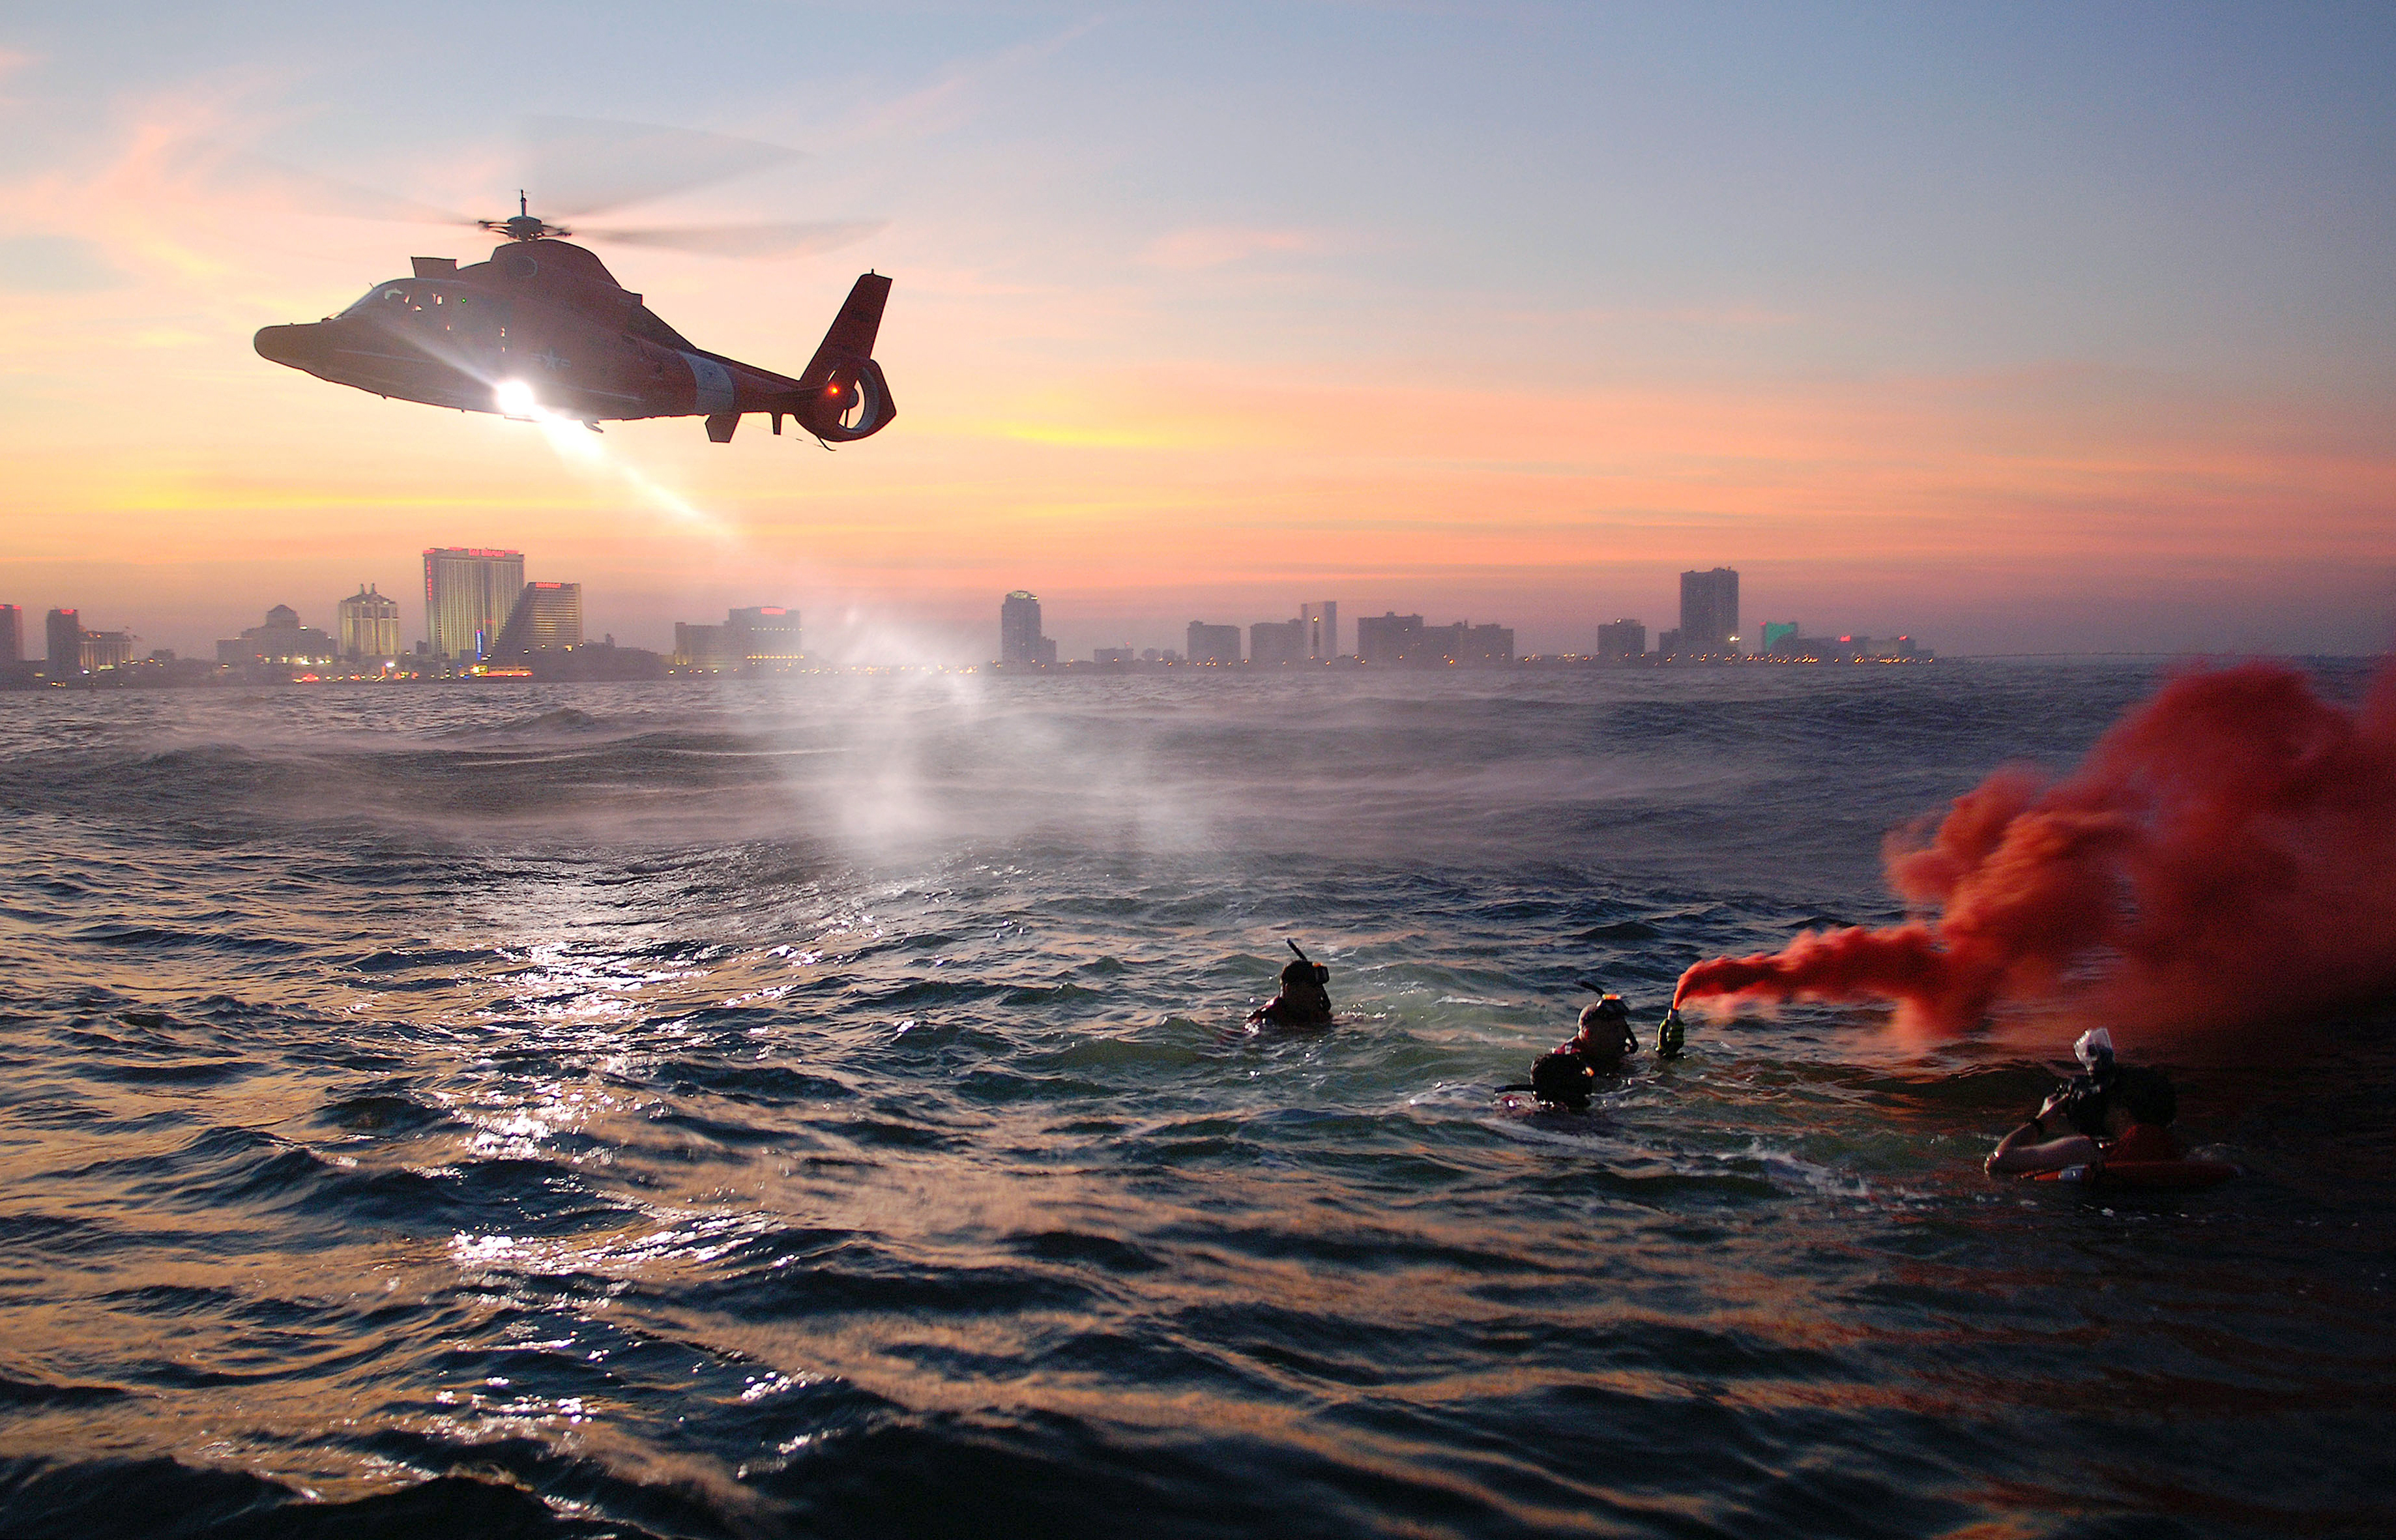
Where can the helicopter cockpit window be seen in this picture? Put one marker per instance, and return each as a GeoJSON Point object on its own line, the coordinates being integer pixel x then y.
{"type": "Point", "coordinates": [382, 296]}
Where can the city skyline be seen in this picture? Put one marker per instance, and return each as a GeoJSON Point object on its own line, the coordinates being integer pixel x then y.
{"type": "Point", "coordinates": [546, 616]}
{"type": "Point", "coordinates": [464, 583]}
{"type": "Point", "coordinates": [2053, 329]}
{"type": "Point", "coordinates": [646, 618]}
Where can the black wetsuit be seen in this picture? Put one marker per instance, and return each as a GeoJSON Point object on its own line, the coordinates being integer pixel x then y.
{"type": "Point", "coordinates": [1567, 1077]}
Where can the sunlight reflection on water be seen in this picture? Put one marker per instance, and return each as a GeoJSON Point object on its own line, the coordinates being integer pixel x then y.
{"type": "Point", "coordinates": [734, 1165]}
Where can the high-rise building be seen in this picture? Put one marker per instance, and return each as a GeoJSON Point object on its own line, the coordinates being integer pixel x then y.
{"type": "Point", "coordinates": [1274, 642]}
{"type": "Point", "coordinates": [469, 593]}
{"type": "Point", "coordinates": [770, 634]}
{"type": "Point", "coordinates": [1214, 644]}
{"type": "Point", "coordinates": [281, 639]}
{"type": "Point", "coordinates": [546, 617]}
{"type": "Point", "coordinates": [12, 634]}
{"type": "Point", "coordinates": [1019, 641]}
{"type": "Point", "coordinates": [1708, 610]}
{"type": "Point", "coordinates": [1388, 640]}
{"type": "Point", "coordinates": [1321, 622]}
{"type": "Point", "coordinates": [1463, 645]}
{"type": "Point", "coordinates": [762, 636]}
{"type": "Point", "coordinates": [711, 647]}
{"type": "Point", "coordinates": [1622, 639]}
{"type": "Point", "coordinates": [63, 638]}
{"type": "Point", "coordinates": [368, 624]}
{"type": "Point", "coordinates": [103, 649]}
{"type": "Point", "coordinates": [1403, 641]}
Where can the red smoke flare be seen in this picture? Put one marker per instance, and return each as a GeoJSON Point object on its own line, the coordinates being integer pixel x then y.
{"type": "Point", "coordinates": [2225, 854]}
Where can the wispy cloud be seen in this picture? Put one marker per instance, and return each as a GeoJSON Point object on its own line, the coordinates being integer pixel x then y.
{"type": "Point", "coordinates": [56, 264]}
{"type": "Point", "coordinates": [960, 94]}
{"type": "Point", "coordinates": [1220, 245]}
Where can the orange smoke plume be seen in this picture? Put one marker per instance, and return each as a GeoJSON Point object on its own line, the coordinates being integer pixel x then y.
{"type": "Point", "coordinates": [2225, 854]}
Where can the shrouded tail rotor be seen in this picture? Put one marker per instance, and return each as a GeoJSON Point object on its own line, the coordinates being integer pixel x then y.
{"type": "Point", "coordinates": [853, 405]}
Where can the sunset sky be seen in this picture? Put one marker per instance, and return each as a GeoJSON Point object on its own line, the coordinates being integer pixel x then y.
{"type": "Point", "coordinates": [2017, 328]}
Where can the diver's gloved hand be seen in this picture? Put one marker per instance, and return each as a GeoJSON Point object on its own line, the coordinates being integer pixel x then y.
{"type": "Point", "coordinates": [1668, 1035]}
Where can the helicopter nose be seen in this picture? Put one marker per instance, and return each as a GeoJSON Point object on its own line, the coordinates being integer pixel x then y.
{"type": "Point", "coordinates": [296, 346]}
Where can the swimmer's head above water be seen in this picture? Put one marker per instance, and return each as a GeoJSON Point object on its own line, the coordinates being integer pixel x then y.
{"type": "Point", "coordinates": [2085, 1099]}
{"type": "Point", "coordinates": [1304, 973]}
{"type": "Point", "coordinates": [1604, 1034]}
{"type": "Point", "coordinates": [1303, 1001]}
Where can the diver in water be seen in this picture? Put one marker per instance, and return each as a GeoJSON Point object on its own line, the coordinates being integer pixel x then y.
{"type": "Point", "coordinates": [1566, 1078]}
{"type": "Point", "coordinates": [1303, 1001]}
{"type": "Point", "coordinates": [2115, 1111]}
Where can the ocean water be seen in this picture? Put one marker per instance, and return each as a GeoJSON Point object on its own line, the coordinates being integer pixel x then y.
{"type": "Point", "coordinates": [818, 1107]}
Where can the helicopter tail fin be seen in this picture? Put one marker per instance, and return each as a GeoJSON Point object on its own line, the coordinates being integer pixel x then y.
{"type": "Point", "coordinates": [843, 397]}
{"type": "Point", "coordinates": [853, 330]}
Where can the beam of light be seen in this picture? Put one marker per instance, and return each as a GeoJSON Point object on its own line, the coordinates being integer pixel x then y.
{"type": "Point", "coordinates": [574, 443]}
{"type": "Point", "coordinates": [588, 452]}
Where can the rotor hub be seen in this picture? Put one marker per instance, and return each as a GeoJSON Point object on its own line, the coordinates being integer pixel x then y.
{"type": "Point", "coordinates": [525, 226]}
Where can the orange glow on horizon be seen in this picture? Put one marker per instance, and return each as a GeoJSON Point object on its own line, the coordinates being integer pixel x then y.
{"type": "Point", "coordinates": [1161, 470]}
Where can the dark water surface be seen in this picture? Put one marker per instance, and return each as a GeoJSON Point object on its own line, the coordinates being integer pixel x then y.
{"type": "Point", "coordinates": [805, 1109]}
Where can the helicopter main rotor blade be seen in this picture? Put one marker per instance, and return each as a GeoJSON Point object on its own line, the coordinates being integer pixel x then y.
{"type": "Point", "coordinates": [587, 165]}
{"type": "Point", "coordinates": [746, 239]}
{"type": "Point", "coordinates": [246, 173]}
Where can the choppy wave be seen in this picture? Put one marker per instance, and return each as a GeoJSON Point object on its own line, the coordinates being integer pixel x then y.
{"type": "Point", "coordinates": [806, 1109]}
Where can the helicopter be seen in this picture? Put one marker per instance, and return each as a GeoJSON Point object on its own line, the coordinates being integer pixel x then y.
{"type": "Point", "coordinates": [542, 329]}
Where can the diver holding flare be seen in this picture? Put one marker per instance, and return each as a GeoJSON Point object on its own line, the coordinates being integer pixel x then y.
{"type": "Point", "coordinates": [1566, 1079]}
